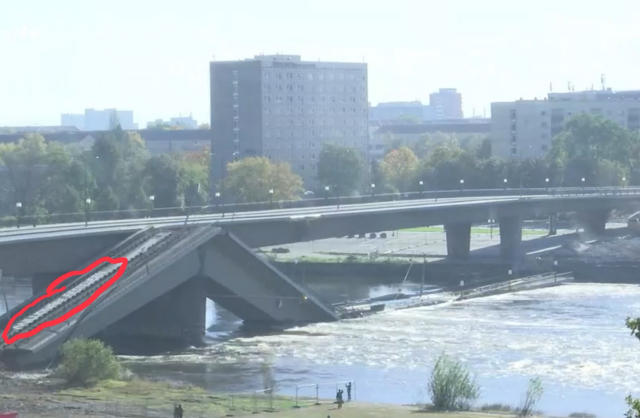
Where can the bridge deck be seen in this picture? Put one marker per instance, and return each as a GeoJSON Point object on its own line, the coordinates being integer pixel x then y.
{"type": "Point", "coordinates": [160, 261]}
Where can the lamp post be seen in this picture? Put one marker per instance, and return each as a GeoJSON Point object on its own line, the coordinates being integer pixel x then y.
{"type": "Point", "coordinates": [491, 221]}
{"type": "Point", "coordinates": [546, 184]}
{"type": "Point", "coordinates": [461, 184]}
{"type": "Point", "coordinates": [18, 212]}
{"type": "Point", "coordinates": [152, 198]}
{"type": "Point", "coordinates": [373, 189]}
{"type": "Point", "coordinates": [504, 181]}
{"type": "Point", "coordinates": [555, 270]}
{"type": "Point", "coordinates": [583, 185]}
{"type": "Point", "coordinates": [326, 193]}
{"type": "Point", "coordinates": [421, 183]}
{"type": "Point", "coordinates": [217, 196]}
{"type": "Point", "coordinates": [87, 202]}
{"type": "Point", "coordinates": [271, 198]}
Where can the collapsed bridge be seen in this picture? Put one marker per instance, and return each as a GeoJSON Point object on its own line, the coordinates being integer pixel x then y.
{"type": "Point", "coordinates": [161, 295]}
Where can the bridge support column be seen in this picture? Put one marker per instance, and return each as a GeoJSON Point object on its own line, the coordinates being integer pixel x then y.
{"type": "Point", "coordinates": [594, 221]}
{"type": "Point", "coordinates": [510, 237]}
{"type": "Point", "coordinates": [458, 239]}
{"type": "Point", "coordinates": [553, 224]}
{"type": "Point", "coordinates": [176, 319]}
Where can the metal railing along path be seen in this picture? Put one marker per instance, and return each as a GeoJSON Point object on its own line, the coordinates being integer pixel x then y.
{"type": "Point", "coordinates": [224, 211]}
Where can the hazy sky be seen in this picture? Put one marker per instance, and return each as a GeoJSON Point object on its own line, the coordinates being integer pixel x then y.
{"type": "Point", "coordinates": [152, 56]}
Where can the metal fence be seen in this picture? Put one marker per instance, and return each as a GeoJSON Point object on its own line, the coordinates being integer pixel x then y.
{"type": "Point", "coordinates": [22, 218]}
{"type": "Point", "coordinates": [207, 405]}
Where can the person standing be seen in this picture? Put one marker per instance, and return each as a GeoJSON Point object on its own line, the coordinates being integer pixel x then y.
{"type": "Point", "coordinates": [348, 386]}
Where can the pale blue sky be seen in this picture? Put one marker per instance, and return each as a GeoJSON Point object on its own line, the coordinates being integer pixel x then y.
{"type": "Point", "coordinates": [152, 56]}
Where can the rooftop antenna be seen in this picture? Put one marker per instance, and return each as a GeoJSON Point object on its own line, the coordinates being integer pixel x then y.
{"type": "Point", "coordinates": [550, 87]}
{"type": "Point", "coordinates": [568, 85]}
{"type": "Point", "coordinates": [602, 80]}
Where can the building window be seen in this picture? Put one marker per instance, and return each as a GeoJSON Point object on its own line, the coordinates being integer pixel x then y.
{"type": "Point", "coordinates": [301, 167]}
{"type": "Point", "coordinates": [514, 139]}
{"type": "Point", "coordinates": [544, 148]}
{"type": "Point", "coordinates": [513, 114]}
{"type": "Point", "coordinates": [543, 113]}
{"type": "Point", "coordinates": [235, 100]}
{"type": "Point", "coordinates": [321, 76]}
{"type": "Point", "coordinates": [310, 76]}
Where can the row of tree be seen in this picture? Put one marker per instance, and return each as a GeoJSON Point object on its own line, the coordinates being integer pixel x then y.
{"type": "Point", "coordinates": [38, 178]}
{"type": "Point", "coordinates": [590, 151]}
{"type": "Point", "coordinates": [117, 173]}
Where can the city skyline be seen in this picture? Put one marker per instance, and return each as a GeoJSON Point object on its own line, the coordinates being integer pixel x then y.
{"type": "Point", "coordinates": [81, 47]}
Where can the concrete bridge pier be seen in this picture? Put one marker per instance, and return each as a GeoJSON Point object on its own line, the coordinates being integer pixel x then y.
{"type": "Point", "coordinates": [510, 237]}
{"type": "Point", "coordinates": [458, 237]}
{"type": "Point", "coordinates": [594, 221]}
{"type": "Point", "coordinates": [175, 319]}
{"type": "Point", "coordinates": [553, 224]}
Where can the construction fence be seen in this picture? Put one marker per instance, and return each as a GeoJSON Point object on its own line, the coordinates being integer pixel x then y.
{"type": "Point", "coordinates": [208, 406]}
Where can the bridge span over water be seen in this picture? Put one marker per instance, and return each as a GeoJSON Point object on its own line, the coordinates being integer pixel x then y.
{"type": "Point", "coordinates": [176, 262]}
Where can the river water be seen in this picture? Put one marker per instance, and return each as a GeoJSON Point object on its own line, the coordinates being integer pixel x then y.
{"type": "Point", "coordinates": [573, 337]}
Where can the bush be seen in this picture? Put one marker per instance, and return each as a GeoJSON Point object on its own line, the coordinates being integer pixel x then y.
{"type": "Point", "coordinates": [86, 362]}
{"type": "Point", "coordinates": [531, 398]}
{"type": "Point", "coordinates": [451, 386]}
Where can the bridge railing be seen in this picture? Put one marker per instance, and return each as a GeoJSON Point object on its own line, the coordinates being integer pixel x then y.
{"type": "Point", "coordinates": [219, 206]}
{"type": "Point", "coordinates": [515, 282]}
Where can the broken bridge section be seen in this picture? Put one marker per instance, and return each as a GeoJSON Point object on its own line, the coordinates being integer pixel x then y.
{"type": "Point", "coordinates": [161, 296]}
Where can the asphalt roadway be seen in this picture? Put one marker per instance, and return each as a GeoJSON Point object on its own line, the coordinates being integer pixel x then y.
{"type": "Point", "coordinates": [70, 229]}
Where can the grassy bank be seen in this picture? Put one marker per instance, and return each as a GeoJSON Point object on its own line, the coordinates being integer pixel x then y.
{"type": "Point", "coordinates": [156, 399]}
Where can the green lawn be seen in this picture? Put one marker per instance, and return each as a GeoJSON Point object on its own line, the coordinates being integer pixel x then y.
{"type": "Point", "coordinates": [474, 230]}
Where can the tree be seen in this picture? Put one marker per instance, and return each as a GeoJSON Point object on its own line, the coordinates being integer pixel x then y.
{"type": "Point", "coordinates": [114, 121]}
{"type": "Point", "coordinates": [26, 162]}
{"type": "Point", "coordinates": [451, 386]}
{"type": "Point", "coordinates": [86, 362]}
{"type": "Point", "coordinates": [195, 177]}
{"type": "Point", "coordinates": [399, 168]}
{"type": "Point", "coordinates": [164, 175]}
{"type": "Point", "coordinates": [633, 324]}
{"type": "Point", "coordinates": [204, 126]}
{"type": "Point", "coordinates": [250, 180]}
{"type": "Point", "coordinates": [340, 168]}
{"type": "Point", "coordinates": [531, 398]}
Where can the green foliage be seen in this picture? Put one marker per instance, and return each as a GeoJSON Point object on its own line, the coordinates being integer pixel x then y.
{"type": "Point", "coordinates": [531, 398]}
{"type": "Point", "coordinates": [451, 386]}
{"type": "Point", "coordinates": [251, 179]}
{"type": "Point", "coordinates": [340, 168]}
{"type": "Point", "coordinates": [633, 324]}
{"type": "Point", "coordinates": [87, 362]}
{"type": "Point", "coordinates": [399, 168]}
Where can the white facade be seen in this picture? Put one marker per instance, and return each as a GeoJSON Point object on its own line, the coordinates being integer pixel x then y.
{"type": "Point", "coordinates": [525, 128]}
{"type": "Point", "coordinates": [99, 120]}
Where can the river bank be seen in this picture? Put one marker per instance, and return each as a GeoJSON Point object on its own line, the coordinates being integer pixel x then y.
{"type": "Point", "coordinates": [45, 396]}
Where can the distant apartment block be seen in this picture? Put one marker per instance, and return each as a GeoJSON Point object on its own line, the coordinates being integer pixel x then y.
{"type": "Point", "coordinates": [443, 105]}
{"type": "Point", "coordinates": [396, 111]}
{"type": "Point", "coordinates": [525, 128]}
{"type": "Point", "coordinates": [285, 108]}
{"type": "Point", "coordinates": [446, 104]}
{"type": "Point", "coordinates": [99, 120]}
{"type": "Point", "coordinates": [182, 122]}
